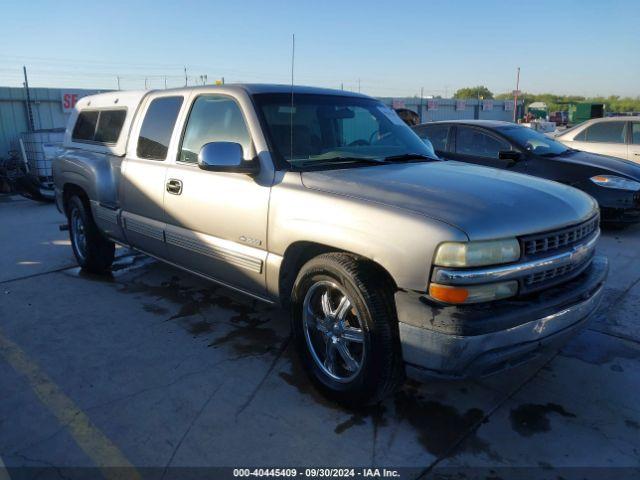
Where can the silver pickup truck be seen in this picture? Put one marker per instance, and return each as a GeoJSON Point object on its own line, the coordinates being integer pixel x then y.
{"type": "Point", "coordinates": [390, 260]}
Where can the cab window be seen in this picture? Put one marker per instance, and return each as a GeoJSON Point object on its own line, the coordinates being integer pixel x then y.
{"type": "Point", "coordinates": [213, 118]}
{"type": "Point", "coordinates": [99, 126]}
{"type": "Point", "coordinates": [606, 132]}
{"type": "Point", "coordinates": [157, 127]}
{"type": "Point", "coordinates": [109, 125]}
{"type": "Point", "coordinates": [437, 134]}
{"type": "Point", "coordinates": [85, 126]}
{"type": "Point", "coordinates": [474, 142]}
{"type": "Point", "coordinates": [635, 133]}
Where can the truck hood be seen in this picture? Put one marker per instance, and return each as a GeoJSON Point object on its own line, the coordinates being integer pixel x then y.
{"type": "Point", "coordinates": [485, 203]}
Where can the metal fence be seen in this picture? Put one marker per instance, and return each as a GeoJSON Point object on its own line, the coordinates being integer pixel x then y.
{"type": "Point", "coordinates": [431, 110]}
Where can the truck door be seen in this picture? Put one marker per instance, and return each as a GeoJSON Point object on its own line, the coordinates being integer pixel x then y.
{"type": "Point", "coordinates": [216, 222]}
{"type": "Point", "coordinates": [144, 171]}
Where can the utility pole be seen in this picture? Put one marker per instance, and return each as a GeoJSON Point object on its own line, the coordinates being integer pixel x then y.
{"type": "Point", "coordinates": [145, 83]}
{"type": "Point", "coordinates": [185, 77]}
{"type": "Point", "coordinates": [341, 86]}
{"type": "Point", "coordinates": [28, 97]}
{"type": "Point", "coordinates": [515, 96]}
{"type": "Point", "coordinates": [358, 85]}
{"type": "Point", "coordinates": [165, 82]}
{"type": "Point", "coordinates": [118, 80]}
{"type": "Point", "coordinates": [421, 97]}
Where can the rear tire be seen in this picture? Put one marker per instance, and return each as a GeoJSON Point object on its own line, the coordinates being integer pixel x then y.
{"type": "Point", "coordinates": [346, 329]}
{"type": "Point", "coordinates": [92, 250]}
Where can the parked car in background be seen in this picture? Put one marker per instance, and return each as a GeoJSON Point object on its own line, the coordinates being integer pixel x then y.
{"type": "Point", "coordinates": [613, 182]}
{"type": "Point", "coordinates": [560, 118]}
{"type": "Point", "coordinates": [324, 201]}
{"type": "Point", "coordinates": [614, 136]}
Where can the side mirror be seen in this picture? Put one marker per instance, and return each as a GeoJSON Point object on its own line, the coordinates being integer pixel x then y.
{"type": "Point", "coordinates": [509, 155]}
{"type": "Point", "coordinates": [225, 157]}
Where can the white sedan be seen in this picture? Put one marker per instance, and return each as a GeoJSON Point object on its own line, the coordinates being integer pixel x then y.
{"type": "Point", "coordinates": [613, 136]}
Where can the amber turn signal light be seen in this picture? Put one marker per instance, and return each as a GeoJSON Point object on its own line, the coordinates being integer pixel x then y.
{"type": "Point", "coordinates": [448, 294]}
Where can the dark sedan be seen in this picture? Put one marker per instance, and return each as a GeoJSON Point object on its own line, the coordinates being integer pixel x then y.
{"type": "Point", "coordinates": [613, 182]}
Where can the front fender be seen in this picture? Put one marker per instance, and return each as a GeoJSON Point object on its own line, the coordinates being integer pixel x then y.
{"type": "Point", "coordinates": [402, 242]}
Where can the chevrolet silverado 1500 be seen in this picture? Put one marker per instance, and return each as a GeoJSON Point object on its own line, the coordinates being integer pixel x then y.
{"type": "Point", "coordinates": [390, 260]}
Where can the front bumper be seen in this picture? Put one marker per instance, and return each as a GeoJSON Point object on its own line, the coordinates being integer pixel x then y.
{"type": "Point", "coordinates": [478, 340]}
{"type": "Point", "coordinates": [619, 206]}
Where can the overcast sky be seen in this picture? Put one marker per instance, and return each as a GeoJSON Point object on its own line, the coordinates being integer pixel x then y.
{"type": "Point", "coordinates": [392, 48]}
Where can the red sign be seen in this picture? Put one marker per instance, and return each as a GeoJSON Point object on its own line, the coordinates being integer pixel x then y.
{"type": "Point", "coordinates": [69, 100]}
{"type": "Point", "coordinates": [461, 105]}
{"type": "Point", "coordinates": [487, 105]}
{"type": "Point", "coordinates": [432, 105]}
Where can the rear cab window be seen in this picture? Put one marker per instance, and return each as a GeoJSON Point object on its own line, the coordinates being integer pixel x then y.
{"type": "Point", "coordinates": [157, 127]}
{"type": "Point", "coordinates": [99, 126]}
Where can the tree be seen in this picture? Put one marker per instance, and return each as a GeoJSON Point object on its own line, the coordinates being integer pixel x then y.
{"type": "Point", "coordinates": [473, 93]}
{"type": "Point", "coordinates": [613, 103]}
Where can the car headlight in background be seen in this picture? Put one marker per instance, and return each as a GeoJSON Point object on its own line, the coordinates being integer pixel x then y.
{"type": "Point", "coordinates": [611, 181]}
{"type": "Point", "coordinates": [476, 254]}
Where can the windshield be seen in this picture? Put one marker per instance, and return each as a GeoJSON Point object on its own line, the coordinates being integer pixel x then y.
{"type": "Point", "coordinates": [337, 129]}
{"type": "Point", "coordinates": [532, 141]}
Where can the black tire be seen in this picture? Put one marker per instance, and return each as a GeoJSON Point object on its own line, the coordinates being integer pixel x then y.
{"type": "Point", "coordinates": [369, 291]}
{"type": "Point", "coordinates": [95, 254]}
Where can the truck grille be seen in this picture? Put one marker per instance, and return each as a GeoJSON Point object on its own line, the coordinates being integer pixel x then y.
{"type": "Point", "coordinates": [556, 240]}
{"type": "Point", "coordinates": [554, 274]}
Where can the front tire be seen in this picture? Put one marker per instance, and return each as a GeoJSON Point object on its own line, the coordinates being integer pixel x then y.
{"type": "Point", "coordinates": [346, 329]}
{"type": "Point", "coordinates": [92, 250]}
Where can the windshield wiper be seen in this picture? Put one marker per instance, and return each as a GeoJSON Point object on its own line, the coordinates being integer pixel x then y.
{"type": "Point", "coordinates": [338, 160]}
{"type": "Point", "coordinates": [405, 157]}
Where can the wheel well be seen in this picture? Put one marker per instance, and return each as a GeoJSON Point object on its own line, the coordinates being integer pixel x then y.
{"type": "Point", "coordinates": [71, 189]}
{"type": "Point", "coordinates": [299, 253]}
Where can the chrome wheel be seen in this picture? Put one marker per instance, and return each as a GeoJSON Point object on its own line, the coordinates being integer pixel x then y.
{"type": "Point", "coordinates": [78, 234]}
{"type": "Point", "coordinates": [333, 331]}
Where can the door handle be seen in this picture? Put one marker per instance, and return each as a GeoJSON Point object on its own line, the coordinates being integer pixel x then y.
{"type": "Point", "coordinates": [174, 186]}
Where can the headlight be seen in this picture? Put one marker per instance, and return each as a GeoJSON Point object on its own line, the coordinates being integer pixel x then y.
{"type": "Point", "coordinates": [475, 254]}
{"type": "Point", "coordinates": [473, 294]}
{"type": "Point", "coordinates": [611, 181]}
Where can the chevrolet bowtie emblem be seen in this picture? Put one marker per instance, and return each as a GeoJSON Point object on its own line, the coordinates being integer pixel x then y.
{"type": "Point", "coordinates": [579, 253]}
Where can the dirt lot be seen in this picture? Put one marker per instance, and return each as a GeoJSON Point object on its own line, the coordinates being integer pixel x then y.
{"type": "Point", "coordinates": [152, 367]}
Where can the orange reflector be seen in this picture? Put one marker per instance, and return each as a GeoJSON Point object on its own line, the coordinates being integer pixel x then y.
{"type": "Point", "coordinates": [599, 178]}
{"type": "Point", "coordinates": [446, 293]}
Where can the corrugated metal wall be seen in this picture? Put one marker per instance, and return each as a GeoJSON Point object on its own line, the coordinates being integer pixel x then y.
{"type": "Point", "coordinates": [445, 109]}
{"type": "Point", "coordinates": [46, 106]}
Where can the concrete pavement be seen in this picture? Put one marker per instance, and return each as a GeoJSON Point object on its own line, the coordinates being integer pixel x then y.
{"type": "Point", "coordinates": [153, 367]}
